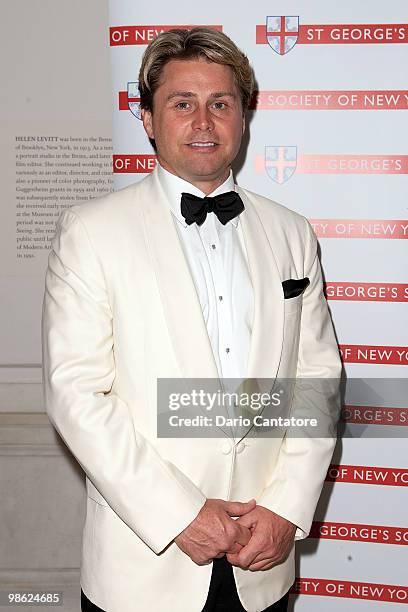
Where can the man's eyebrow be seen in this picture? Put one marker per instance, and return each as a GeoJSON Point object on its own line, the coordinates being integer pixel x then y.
{"type": "Point", "coordinates": [222, 94]}
{"type": "Point", "coordinates": [190, 94]}
{"type": "Point", "coordinates": [180, 94]}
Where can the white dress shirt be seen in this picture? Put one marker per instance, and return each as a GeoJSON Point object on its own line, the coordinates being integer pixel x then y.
{"type": "Point", "coordinates": [218, 263]}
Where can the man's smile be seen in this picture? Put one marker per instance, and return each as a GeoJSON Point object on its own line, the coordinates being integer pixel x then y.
{"type": "Point", "coordinates": [203, 147]}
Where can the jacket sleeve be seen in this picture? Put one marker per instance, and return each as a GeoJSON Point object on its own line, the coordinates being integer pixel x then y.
{"type": "Point", "coordinates": [154, 498]}
{"type": "Point", "coordinates": [305, 456]}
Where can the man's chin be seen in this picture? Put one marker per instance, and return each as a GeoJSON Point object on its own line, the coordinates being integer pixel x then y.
{"type": "Point", "coordinates": [205, 172]}
{"type": "Point", "coordinates": [198, 172]}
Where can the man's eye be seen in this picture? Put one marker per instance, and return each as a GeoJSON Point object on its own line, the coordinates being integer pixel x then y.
{"type": "Point", "coordinates": [219, 105]}
{"type": "Point", "coordinates": [182, 105]}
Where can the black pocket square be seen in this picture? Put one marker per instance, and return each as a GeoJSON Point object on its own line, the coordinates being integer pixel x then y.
{"type": "Point", "coordinates": [294, 287]}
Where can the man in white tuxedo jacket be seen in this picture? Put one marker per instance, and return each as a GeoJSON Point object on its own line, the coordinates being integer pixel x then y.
{"type": "Point", "coordinates": [186, 275]}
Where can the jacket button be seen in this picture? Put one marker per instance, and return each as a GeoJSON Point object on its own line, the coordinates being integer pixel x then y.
{"type": "Point", "coordinates": [226, 448]}
{"type": "Point", "coordinates": [240, 447]}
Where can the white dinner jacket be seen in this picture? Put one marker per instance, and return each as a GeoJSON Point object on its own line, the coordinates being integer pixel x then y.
{"type": "Point", "coordinates": [120, 311]}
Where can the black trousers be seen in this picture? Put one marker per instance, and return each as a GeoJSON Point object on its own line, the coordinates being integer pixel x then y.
{"type": "Point", "coordinates": [222, 594]}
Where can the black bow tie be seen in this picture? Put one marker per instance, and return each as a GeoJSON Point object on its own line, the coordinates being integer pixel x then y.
{"type": "Point", "coordinates": [226, 206]}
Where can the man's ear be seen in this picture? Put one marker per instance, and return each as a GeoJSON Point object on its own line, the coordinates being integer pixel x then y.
{"type": "Point", "coordinates": [147, 122]}
{"type": "Point", "coordinates": [243, 123]}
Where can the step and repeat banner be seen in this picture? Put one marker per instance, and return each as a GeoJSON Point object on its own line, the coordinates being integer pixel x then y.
{"type": "Point", "coordinates": [327, 137]}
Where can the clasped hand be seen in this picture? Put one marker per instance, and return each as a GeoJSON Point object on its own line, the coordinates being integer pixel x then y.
{"type": "Point", "coordinates": [257, 540]}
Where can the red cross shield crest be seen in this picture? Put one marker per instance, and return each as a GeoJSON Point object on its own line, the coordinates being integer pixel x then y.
{"type": "Point", "coordinates": [280, 163]}
{"type": "Point", "coordinates": [282, 33]}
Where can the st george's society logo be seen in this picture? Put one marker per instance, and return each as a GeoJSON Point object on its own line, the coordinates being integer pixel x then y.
{"type": "Point", "coordinates": [282, 33]}
{"type": "Point", "coordinates": [280, 163]}
{"type": "Point", "coordinates": [133, 97]}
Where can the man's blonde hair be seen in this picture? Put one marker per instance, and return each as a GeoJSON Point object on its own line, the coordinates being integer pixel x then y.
{"type": "Point", "coordinates": [177, 44]}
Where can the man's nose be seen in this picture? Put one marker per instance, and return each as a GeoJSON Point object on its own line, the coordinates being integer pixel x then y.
{"type": "Point", "coordinates": [203, 119]}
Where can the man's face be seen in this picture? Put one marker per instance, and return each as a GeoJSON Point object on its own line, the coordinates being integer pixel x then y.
{"type": "Point", "coordinates": [197, 121]}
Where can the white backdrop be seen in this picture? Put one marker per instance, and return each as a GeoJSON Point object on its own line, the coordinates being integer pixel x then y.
{"type": "Point", "coordinates": [328, 138]}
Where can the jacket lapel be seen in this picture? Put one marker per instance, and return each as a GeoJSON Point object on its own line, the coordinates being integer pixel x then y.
{"type": "Point", "coordinates": [267, 328]}
{"type": "Point", "coordinates": [181, 305]}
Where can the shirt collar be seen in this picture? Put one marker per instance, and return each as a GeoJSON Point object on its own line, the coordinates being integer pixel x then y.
{"type": "Point", "coordinates": [174, 186]}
